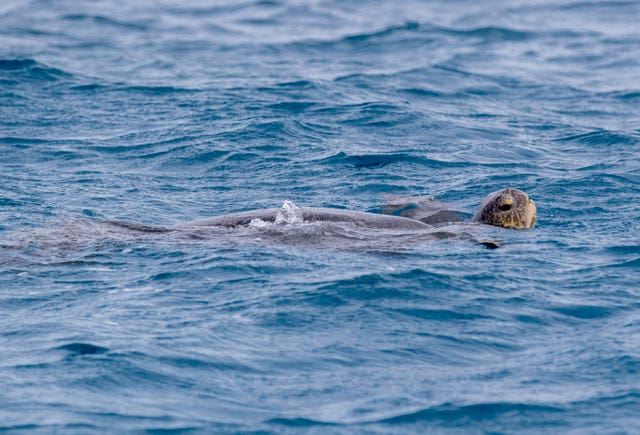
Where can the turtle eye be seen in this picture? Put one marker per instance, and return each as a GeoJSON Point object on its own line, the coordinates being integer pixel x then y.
{"type": "Point", "coordinates": [505, 207]}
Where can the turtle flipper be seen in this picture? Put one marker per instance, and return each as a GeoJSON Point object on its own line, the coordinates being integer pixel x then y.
{"type": "Point", "coordinates": [427, 210]}
{"type": "Point", "coordinates": [489, 244]}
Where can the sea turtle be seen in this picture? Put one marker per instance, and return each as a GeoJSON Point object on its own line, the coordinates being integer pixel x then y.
{"type": "Point", "coordinates": [507, 208]}
{"type": "Point", "coordinates": [396, 225]}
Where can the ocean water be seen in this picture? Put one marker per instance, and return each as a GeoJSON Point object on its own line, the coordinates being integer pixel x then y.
{"type": "Point", "coordinates": [159, 113]}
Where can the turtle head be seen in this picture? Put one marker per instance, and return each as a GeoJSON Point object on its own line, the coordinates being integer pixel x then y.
{"type": "Point", "coordinates": [507, 208]}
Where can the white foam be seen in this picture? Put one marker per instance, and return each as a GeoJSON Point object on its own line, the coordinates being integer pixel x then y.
{"type": "Point", "coordinates": [289, 214]}
{"type": "Point", "coordinates": [258, 223]}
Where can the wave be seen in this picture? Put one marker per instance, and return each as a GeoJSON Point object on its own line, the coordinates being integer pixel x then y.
{"type": "Point", "coordinates": [155, 90]}
{"type": "Point", "coordinates": [15, 71]}
{"type": "Point", "coordinates": [491, 33]}
{"type": "Point", "coordinates": [18, 70]}
{"type": "Point", "coordinates": [296, 85]}
{"type": "Point", "coordinates": [626, 95]}
{"type": "Point", "coordinates": [631, 264]}
{"type": "Point", "coordinates": [585, 311]}
{"type": "Point", "coordinates": [447, 415]}
{"type": "Point", "coordinates": [411, 32]}
{"type": "Point", "coordinates": [82, 349]}
{"type": "Point", "coordinates": [145, 149]}
{"type": "Point", "coordinates": [298, 422]}
{"type": "Point", "coordinates": [387, 31]}
{"type": "Point", "coordinates": [292, 106]}
{"type": "Point", "coordinates": [106, 21]}
{"type": "Point", "coordinates": [596, 6]}
{"type": "Point", "coordinates": [23, 141]}
{"type": "Point", "coordinates": [78, 427]}
{"type": "Point", "coordinates": [602, 137]}
{"type": "Point", "coordinates": [476, 412]}
{"type": "Point", "coordinates": [385, 285]}
{"type": "Point", "coordinates": [381, 160]}
{"type": "Point", "coordinates": [266, 131]}
{"type": "Point", "coordinates": [148, 90]}
{"type": "Point", "coordinates": [440, 314]}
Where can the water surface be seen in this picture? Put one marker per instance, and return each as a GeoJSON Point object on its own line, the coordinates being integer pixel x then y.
{"type": "Point", "coordinates": [161, 113]}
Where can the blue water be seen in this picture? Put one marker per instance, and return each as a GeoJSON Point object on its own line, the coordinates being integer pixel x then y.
{"type": "Point", "coordinates": [164, 112]}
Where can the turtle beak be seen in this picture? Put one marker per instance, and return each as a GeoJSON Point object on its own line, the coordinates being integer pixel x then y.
{"type": "Point", "coordinates": [531, 214]}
